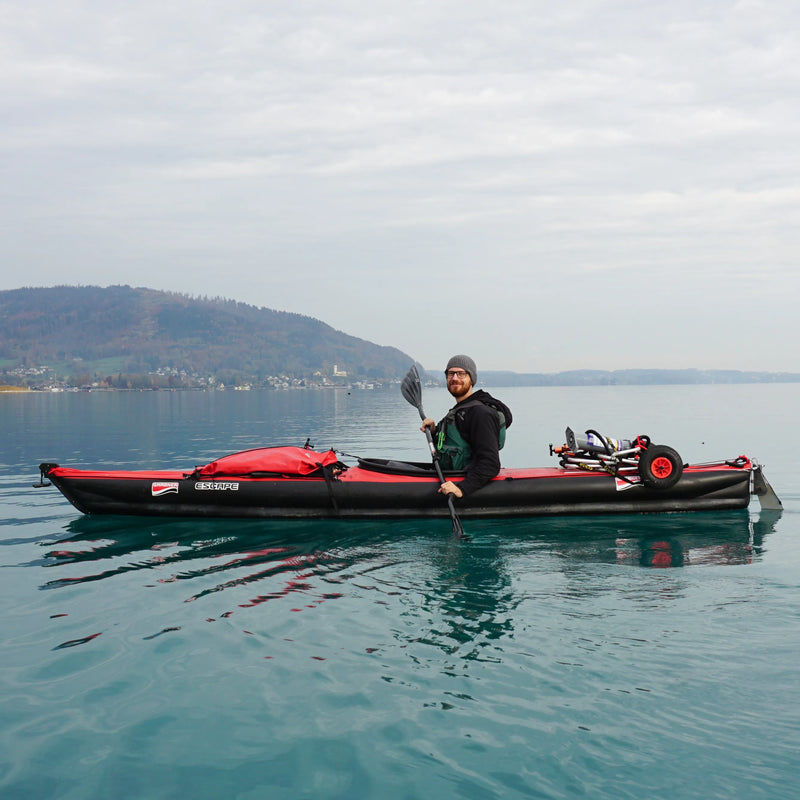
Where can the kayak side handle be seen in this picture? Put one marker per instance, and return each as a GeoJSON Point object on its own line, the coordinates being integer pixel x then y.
{"type": "Point", "coordinates": [44, 471]}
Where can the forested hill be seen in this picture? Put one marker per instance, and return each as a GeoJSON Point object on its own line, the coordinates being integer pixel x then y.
{"type": "Point", "coordinates": [100, 332]}
{"type": "Point", "coordinates": [123, 337]}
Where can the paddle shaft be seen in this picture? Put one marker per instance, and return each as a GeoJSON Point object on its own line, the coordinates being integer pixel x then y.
{"type": "Point", "coordinates": [439, 474]}
{"type": "Point", "coordinates": [432, 446]}
{"type": "Point", "coordinates": [411, 389]}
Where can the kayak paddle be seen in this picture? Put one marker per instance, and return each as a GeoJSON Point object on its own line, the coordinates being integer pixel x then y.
{"type": "Point", "coordinates": [411, 387]}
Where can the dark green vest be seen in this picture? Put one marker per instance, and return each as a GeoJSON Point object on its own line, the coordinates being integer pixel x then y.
{"type": "Point", "coordinates": [454, 450]}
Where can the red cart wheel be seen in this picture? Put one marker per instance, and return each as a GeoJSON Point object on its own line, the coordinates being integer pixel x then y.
{"type": "Point", "coordinates": [660, 467]}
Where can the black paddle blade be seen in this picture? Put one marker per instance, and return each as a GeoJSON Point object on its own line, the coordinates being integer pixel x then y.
{"type": "Point", "coordinates": [458, 528]}
{"type": "Point", "coordinates": [412, 389]}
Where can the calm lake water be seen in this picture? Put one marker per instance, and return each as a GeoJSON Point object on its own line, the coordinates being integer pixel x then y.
{"type": "Point", "coordinates": [598, 657]}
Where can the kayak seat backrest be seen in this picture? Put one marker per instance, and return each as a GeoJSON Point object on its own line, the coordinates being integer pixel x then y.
{"type": "Point", "coordinates": [391, 467]}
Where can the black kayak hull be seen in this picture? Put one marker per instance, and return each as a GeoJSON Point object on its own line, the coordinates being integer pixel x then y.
{"type": "Point", "coordinates": [371, 491]}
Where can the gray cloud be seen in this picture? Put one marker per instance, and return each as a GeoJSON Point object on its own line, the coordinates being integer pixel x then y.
{"type": "Point", "coordinates": [608, 184]}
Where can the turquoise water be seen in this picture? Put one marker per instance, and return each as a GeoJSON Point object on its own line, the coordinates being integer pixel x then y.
{"type": "Point", "coordinates": [606, 657]}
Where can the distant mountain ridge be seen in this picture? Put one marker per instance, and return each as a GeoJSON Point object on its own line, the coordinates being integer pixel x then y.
{"type": "Point", "coordinates": [634, 377]}
{"type": "Point", "coordinates": [104, 331]}
{"type": "Point", "coordinates": [123, 337]}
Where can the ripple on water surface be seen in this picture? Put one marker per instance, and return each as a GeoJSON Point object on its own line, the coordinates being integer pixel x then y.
{"type": "Point", "coordinates": [354, 660]}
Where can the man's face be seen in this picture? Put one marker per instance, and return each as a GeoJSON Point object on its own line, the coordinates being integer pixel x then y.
{"type": "Point", "coordinates": [459, 382]}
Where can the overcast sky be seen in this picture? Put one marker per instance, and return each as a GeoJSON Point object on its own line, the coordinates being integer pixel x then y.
{"type": "Point", "coordinates": [545, 186]}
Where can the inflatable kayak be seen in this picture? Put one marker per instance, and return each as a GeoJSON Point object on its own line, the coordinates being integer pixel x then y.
{"type": "Point", "coordinates": [297, 482]}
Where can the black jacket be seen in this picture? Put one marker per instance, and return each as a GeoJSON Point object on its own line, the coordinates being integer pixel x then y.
{"type": "Point", "coordinates": [479, 425]}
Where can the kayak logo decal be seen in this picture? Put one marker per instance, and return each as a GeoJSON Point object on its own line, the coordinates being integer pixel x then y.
{"type": "Point", "coordinates": [158, 488]}
{"type": "Point", "coordinates": [622, 485]}
{"type": "Point", "coordinates": [224, 486]}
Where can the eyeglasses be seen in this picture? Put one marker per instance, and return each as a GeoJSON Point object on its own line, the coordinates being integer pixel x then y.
{"type": "Point", "coordinates": [456, 373]}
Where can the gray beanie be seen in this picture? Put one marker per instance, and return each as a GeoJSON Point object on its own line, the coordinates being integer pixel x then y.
{"type": "Point", "coordinates": [465, 363]}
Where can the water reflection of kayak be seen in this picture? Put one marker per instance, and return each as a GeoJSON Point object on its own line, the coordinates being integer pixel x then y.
{"type": "Point", "coordinates": [101, 547]}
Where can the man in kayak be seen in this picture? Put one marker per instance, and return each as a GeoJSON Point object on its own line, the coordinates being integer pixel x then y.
{"type": "Point", "coordinates": [473, 431]}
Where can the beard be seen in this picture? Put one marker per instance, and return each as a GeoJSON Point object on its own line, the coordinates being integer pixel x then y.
{"type": "Point", "coordinates": [459, 390]}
